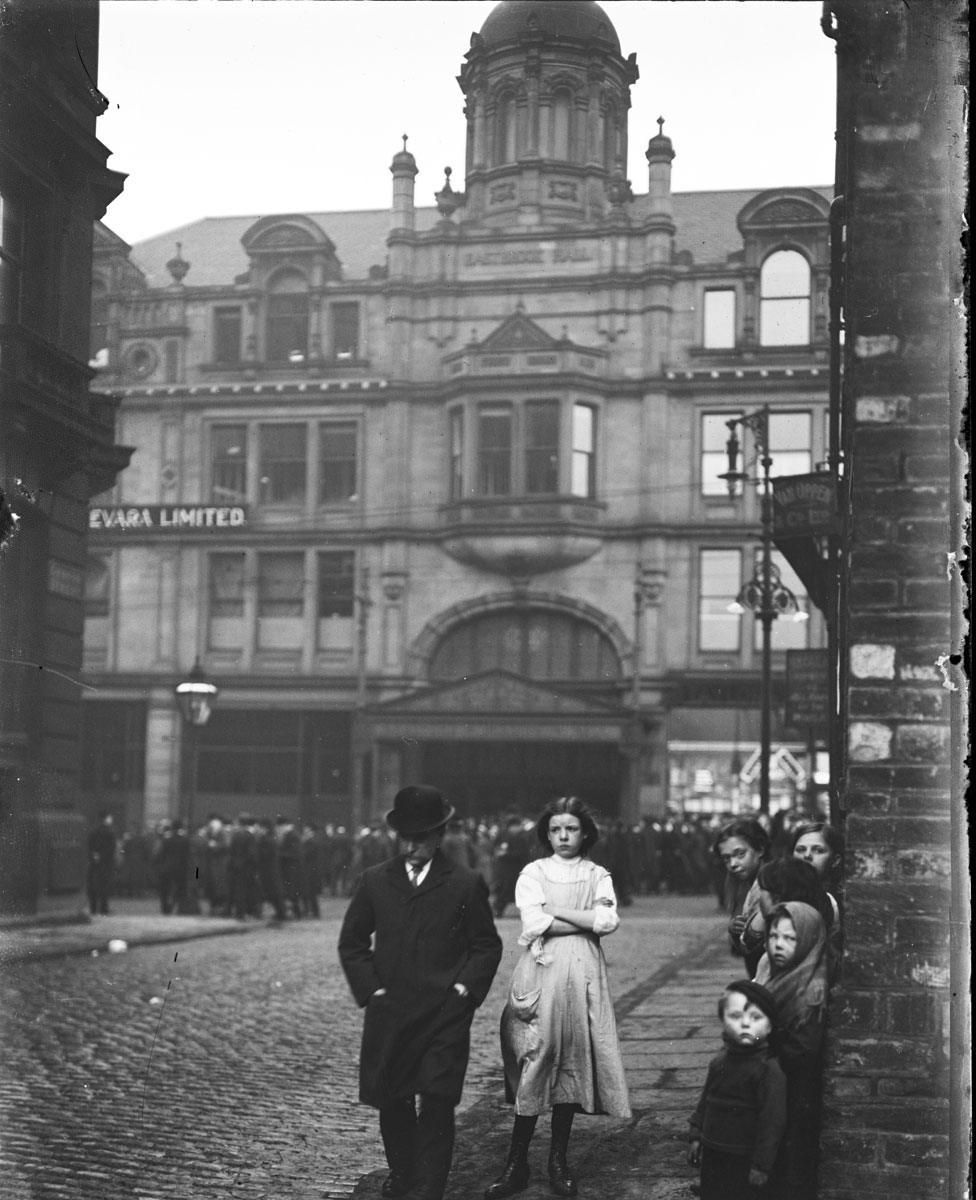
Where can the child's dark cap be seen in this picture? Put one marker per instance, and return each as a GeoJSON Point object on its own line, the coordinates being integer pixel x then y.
{"type": "Point", "coordinates": [756, 994]}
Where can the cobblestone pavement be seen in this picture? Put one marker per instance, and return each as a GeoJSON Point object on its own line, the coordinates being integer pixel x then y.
{"type": "Point", "coordinates": [226, 1066]}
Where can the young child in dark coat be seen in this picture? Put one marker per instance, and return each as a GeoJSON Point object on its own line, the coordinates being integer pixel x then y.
{"type": "Point", "coordinates": [738, 1125]}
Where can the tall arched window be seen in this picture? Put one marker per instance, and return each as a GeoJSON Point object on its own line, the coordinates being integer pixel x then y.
{"type": "Point", "coordinates": [612, 152]}
{"type": "Point", "coordinates": [784, 304]}
{"type": "Point", "coordinates": [562, 103]}
{"type": "Point", "coordinates": [287, 324]}
{"type": "Point", "coordinates": [537, 643]}
{"type": "Point", "coordinates": [505, 121]}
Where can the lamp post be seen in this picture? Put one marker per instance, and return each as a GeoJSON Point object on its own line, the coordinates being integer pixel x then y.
{"type": "Point", "coordinates": [765, 593]}
{"type": "Point", "coordinates": [196, 696]}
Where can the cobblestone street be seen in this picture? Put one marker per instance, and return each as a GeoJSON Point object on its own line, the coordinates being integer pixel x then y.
{"type": "Point", "coordinates": [226, 1066]}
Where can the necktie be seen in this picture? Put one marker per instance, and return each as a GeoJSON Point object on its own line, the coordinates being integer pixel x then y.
{"type": "Point", "coordinates": [414, 876]}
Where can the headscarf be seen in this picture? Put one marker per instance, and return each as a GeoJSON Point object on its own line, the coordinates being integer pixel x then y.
{"type": "Point", "coordinates": [802, 986]}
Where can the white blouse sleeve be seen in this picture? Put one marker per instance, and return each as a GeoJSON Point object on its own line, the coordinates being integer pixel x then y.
{"type": "Point", "coordinates": [605, 918]}
{"type": "Point", "coordinates": [529, 900]}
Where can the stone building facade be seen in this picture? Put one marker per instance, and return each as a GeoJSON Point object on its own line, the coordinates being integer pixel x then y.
{"type": "Point", "coordinates": [57, 448]}
{"type": "Point", "coordinates": [434, 492]}
{"type": "Point", "coordinates": [898, 1104]}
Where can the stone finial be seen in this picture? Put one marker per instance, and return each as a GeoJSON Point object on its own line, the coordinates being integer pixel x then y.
{"type": "Point", "coordinates": [177, 265]}
{"type": "Point", "coordinates": [447, 198]}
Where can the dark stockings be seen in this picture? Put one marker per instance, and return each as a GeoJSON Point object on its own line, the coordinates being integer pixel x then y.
{"type": "Point", "coordinates": [562, 1183]}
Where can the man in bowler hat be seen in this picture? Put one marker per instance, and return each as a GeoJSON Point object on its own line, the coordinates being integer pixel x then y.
{"type": "Point", "coordinates": [419, 949]}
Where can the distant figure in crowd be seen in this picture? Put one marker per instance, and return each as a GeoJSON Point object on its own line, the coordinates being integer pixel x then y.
{"type": "Point", "coordinates": [738, 1126]}
{"type": "Point", "coordinates": [558, 1032]}
{"type": "Point", "coordinates": [101, 864]}
{"type": "Point", "coordinates": [171, 859]}
{"type": "Point", "coordinates": [312, 869]}
{"type": "Point", "coordinates": [742, 846]}
{"type": "Point", "coordinates": [511, 854]}
{"type": "Point", "coordinates": [289, 851]}
{"type": "Point", "coordinates": [457, 847]}
{"type": "Point", "coordinates": [794, 970]}
{"type": "Point", "coordinates": [419, 949]}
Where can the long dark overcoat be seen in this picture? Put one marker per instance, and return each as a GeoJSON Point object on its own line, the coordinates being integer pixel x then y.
{"type": "Point", "coordinates": [417, 943]}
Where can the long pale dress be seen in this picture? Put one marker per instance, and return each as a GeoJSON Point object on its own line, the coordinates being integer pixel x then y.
{"type": "Point", "coordinates": [558, 1031]}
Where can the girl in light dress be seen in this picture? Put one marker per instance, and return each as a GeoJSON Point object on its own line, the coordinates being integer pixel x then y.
{"type": "Point", "coordinates": [558, 1031]}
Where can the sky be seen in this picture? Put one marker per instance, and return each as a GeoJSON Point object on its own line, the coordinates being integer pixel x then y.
{"type": "Point", "coordinates": [250, 107]}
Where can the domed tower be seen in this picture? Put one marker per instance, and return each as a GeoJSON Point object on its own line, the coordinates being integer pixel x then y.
{"type": "Point", "coordinates": [547, 94]}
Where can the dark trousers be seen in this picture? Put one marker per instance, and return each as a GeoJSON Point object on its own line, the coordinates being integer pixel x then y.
{"type": "Point", "coordinates": [726, 1176]}
{"type": "Point", "coordinates": [419, 1143]}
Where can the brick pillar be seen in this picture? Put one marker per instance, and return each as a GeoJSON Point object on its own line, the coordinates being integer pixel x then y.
{"type": "Point", "coordinates": [896, 1087]}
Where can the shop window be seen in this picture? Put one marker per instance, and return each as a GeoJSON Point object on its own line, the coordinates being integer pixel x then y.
{"type": "Point", "coordinates": [457, 454]}
{"type": "Point", "coordinates": [719, 580]}
{"type": "Point", "coordinates": [345, 331]}
{"type": "Point", "coordinates": [281, 469]}
{"type": "Point", "coordinates": [784, 307]}
{"type": "Point", "coordinates": [495, 450]}
{"type": "Point", "coordinates": [714, 457]}
{"type": "Point", "coordinates": [227, 335]}
{"type": "Point", "coordinates": [719, 319]}
{"type": "Point", "coordinates": [542, 447]}
{"type": "Point", "coordinates": [790, 448]}
{"type": "Point", "coordinates": [583, 481]}
{"type": "Point", "coordinates": [281, 601]}
{"type": "Point", "coordinates": [787, 633]}
{"type": "Point", "coordinates": [287, 319]}
{"type": "Point", "coordinates": [11, 256]}
{"type": "Point", "coordinates": [337, 462]}
{"type": "Point", "coordinates": [225, 595]}
{"type": "Point", "coordinates": [336, 599]}
{"type": "Point", "coordinates": [228, 464]}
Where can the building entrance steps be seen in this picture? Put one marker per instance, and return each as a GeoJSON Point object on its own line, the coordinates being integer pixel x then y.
{"type": "Point", "coordinates": [669, 1031]}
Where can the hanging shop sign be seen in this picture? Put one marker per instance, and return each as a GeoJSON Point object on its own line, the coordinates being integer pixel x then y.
{"type": "Point", "coordinates": [804, 505]}
{"type": "Point", "coordinates": [807, 694]}
{"type": "Point", "coordinates": [168, 518]}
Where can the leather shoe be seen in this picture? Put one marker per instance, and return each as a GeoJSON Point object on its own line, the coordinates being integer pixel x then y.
{"type": "Point", "coordinates": [560, 1180]}
{"type": "Point", "coordinates": [395, 1184]}
{"type": "Point", "coordinates": [514, 1179]}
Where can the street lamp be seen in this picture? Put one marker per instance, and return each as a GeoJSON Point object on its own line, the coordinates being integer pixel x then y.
{"type": "Point", "coordinates": [765, 593]}
{"type": "Point", "coordinates": [196, 696]}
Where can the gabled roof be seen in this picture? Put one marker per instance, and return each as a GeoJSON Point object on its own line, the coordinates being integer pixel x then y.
{"type": "Point", "coordinates": [705, 227]}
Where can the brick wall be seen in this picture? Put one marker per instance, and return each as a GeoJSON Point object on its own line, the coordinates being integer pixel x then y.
{"type": "Point", "coordinates": [894, 1089]}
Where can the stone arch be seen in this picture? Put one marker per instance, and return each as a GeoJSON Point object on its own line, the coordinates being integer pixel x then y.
{"type": "Point", "coordinates": [422, 649]}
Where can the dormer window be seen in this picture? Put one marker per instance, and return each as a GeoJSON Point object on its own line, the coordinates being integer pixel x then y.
{"type": "Point", "coordinates": [784, 300]}
{"type": "Point", "coordinates": [287, 318]}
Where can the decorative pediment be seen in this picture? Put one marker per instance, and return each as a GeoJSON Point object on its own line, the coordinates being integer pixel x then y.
{"type": "Point", "coordinates": [291, 233]}
{"type": "Point", "coordinates": [518, 332]}
{"type": "Point", "coordinates": [779, 207]}
{"type": "Point", "coordinates": [493, 694]}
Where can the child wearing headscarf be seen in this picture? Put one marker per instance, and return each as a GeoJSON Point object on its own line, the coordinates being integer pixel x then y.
{"type": "Point", "coordinates": [794, 971]}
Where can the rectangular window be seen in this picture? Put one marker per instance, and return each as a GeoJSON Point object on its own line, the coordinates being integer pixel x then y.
{"type": "Point", "coordinates": [11, 254]}
{"type": "Point", "coordinates": [345, 330]}
{"type": "Point", "coordinates": [337, 462]}
{"type": "Point", "coordinates": [790, 442]}
{"type": "Point", "coordinates": [714, 458]}
{"type": "Point", "coordinates": [719, 320]}
{"type": "Point", "coordinates": [584, 451]}
{"type": "Point", "coordinates": [171, 354]}
{"type": "Point", "coordinates": [281, 601]}
{"type": "Point", "coordinates": [495, 450]}
{"type": "Point", "coordinates": [98, 582]}
{"type": "Point", "coordinates": [287, 327]}
{"type": "Point", "coordinates": [719, 573]}
{"type": "Point", "coordinates": [457, 454]}
{"type": "Point", "coordinates": [225, 602]}
{"type": "Point", "coordinates": [228, 464]}
{"type": "Point", "coordinates": [227, 335]}
{"type": "Point", "coordinates": [542, 447]}
{"type": "Point", "coordinates": [336, 600]}
{"type": "Point", "coordinates": [281, 469]}
{"type": "Point", "coordinates": [787, 633]}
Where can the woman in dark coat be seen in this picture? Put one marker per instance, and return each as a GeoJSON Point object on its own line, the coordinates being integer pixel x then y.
{"type": "Point", "coordinates": [430, 966]}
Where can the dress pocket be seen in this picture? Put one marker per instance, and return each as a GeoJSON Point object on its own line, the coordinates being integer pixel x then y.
{"type": "Point", "coordinates": [526, 989]}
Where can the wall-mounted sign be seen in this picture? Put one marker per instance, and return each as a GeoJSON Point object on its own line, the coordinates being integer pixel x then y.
{"type": "Point", "coordinates": [538, 254]}
{"type": "Point", "coordinates": [804, 505]}
{"type": "Point", "coordinates": [807, 690]}
{"type": "Point", "coordinates": [168, 518]}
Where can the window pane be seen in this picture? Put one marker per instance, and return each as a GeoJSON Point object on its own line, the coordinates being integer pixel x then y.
{"type": "Point", "coordinates": [714, 457]}
{"type": "Point", "coordinates": [719, 332]}
{"type": "Point", "coordinates": [226, 585]}
{"type": "Point", "coordinates": [97, 584]}
{"type": "Point", "coordinates": [719, 584]}
{"type": "Point", "coordinates": [336, 583]}
{"type": "Point", "coordinates": [281, 585]}
{"type": "Point", "coordinates": [787, 633]}
{"type": "Point", "coordinates": [561, 125]}
{"type": "Point", "coordinates": [287, 326]}
{"type": "Point", "coordinates": [495, 452]}
{"type": "Point", "coordinates": [542, 447]}
{"type": "Point", "coordinates": [790, 440]}
{"type": "Point", "coordinates": [282, 463]}
{"type": "Point", "coordinates": [228, 464]}
{"type": "Point", "coordinates": [583, 481]}
{"type": "Point", "coordinates": [345, 330]}
{"type": "Point", "coordinates": [457, 454]}
{"type": "Point", "coordinates": [227, 335]}
{"type": "Point", "coordinates": [785, 273]}
{"type": "Point", "coordinates": [337, 460]}
{"type": "Point", "coordinates": [784, 322]}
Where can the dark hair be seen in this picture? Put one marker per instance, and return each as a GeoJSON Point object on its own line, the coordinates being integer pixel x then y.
{"type": "Point", "coordinates": [793, 879]}
{"type": "Point", "coordinates": [747, 828]}
{"type": "Point", "coordinates": [571, 806]}
{"type": "Point", "coordinates": [833, 837]}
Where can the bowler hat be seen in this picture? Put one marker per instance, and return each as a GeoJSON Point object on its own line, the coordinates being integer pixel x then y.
{"type": "Point", "coordinates": [418, 809]}
{"type": "Point", "coordinates": [756, 994]}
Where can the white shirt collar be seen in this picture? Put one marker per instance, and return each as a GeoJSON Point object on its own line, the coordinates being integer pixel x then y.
{"type": "Point", "coordinates": [421, 875]}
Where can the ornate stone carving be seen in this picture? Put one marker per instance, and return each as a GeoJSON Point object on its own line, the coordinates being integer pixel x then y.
{"type": "Point", "coordinates": [786, 212]}
{"type": "Point", "coordinates": [501, 192]}
{"type": "Point", "coordinates": [562, 189]}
